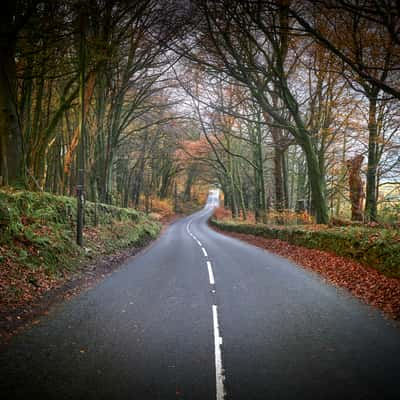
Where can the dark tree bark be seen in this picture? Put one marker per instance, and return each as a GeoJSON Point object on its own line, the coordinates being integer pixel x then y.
{"type": "Point", "coordinates": [371, 197]}
{"type": "Point", "coordinates": [356, 187]}
{"type": "Point", "coordinates": [11, 148]}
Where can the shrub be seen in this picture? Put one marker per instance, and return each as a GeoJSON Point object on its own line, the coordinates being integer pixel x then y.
{"type": "Point", "coordinates": [222, 213]}
{"type": "Point", "coordinates": [284, 217]}
{"type": "Point", "coordinates": [162, 207]}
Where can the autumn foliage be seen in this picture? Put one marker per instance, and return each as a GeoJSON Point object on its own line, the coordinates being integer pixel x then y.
{"type": "Point", "coordinates": [284, 217]}
{"type": "Point", "coordinates": [190, 150]}
{"type": "Point", "coordinates": [222, 214]}
{"type": "Point", "coordinates": [161, 209]}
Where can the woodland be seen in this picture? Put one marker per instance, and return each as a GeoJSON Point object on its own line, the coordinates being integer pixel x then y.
{"type": "Point", "coordinates": [289, 107]}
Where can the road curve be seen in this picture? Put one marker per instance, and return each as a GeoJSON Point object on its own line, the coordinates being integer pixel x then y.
{"type": "Point", "coordinates": [199, 315]}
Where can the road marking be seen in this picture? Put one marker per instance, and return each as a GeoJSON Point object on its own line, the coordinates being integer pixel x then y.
{"type": "Point", "coordinates": [195, 238]}
{"type": "Point", "coordinates": [210, 273]}
{"type": "Point", "coordinates": [219, 376]}
{"type": "Point", "coordinates": [219, 372]}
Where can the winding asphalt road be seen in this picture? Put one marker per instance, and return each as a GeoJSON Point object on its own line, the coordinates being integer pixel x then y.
{"type": "Point", "coordinates": [199, 315]}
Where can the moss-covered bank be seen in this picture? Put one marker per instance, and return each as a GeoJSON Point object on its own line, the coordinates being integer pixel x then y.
{"type": "Point", "coordinates": [377, 248]}
{"type": "Point", "coordinates": [37, 230]}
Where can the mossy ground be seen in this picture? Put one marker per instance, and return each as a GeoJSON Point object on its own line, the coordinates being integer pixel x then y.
{"type": "Point", "coordinates": [38, 250]}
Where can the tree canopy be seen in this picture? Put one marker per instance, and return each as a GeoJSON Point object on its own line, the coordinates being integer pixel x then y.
{"type": "Point", "coordinates": [283, 104]}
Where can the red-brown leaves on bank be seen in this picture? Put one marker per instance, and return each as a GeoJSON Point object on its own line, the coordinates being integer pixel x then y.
{"type": "Point", "coordinates": [366, 283]}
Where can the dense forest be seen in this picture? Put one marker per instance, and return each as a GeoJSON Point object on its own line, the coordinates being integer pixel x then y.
{"type": "Point", "coordinates": [286, 106]}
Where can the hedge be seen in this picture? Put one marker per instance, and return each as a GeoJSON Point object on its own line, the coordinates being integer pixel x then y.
{"type": "Point", "coordinates": [380, 250]}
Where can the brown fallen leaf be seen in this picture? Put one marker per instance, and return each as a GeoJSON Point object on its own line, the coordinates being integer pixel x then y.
{"type": "Point", "coordinates": [363, 282]}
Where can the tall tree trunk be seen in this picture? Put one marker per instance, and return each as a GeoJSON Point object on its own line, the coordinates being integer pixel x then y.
{"type": "Point", "coordinates": [191, 176]}
{"type": "Point", "coordinates": [260, 163]}
{"type": "Point", "coordinates": [32, 139]}
{"type": "Point", "coordinates": [75, 138]}
{"type": "Point", "coordinates": [240, 193]}
{"type": "Point", "coordinates": [12, 169]}
{"type": "Point", "coordinates": [257, 188]}
{"type": "Point", "coordinates": [339, 194]}
{"type": "Point", "coordinates": [285, 179]}
{"type": "Point", "coordinates": [80, 187]}
{"type": "Point", "coordinates": [100, 144]}
{"type": "Point", "coordinates": [317, 184]}
{"type": "Point", "coordinates": [371, 199]}
{"type": "Point", "coordinates": [278, 179]}
{"type": "Point", "coordinates": [356, 187]}
{"type": "Point", "coordinates": [231, 179]}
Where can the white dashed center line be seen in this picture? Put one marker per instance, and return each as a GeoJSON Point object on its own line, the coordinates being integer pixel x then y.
{"type": "Point", "coordinates": [219, 372]}
{"type": "Point", "coordinates": [210, 273]}
{"type": "Point", "coordinates": [219, 377]}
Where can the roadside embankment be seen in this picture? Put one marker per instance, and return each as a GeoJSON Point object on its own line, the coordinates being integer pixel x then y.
{"type": "Point", "coordinates": [38, 253]}
{"type": "Point", "coordinates": [377, 248]}
{"type": "Point", "coordinates": [365, 261]}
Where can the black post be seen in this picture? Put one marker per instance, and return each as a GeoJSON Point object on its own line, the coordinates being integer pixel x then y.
{"type": "Point", "coordinates": [175, 197]}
